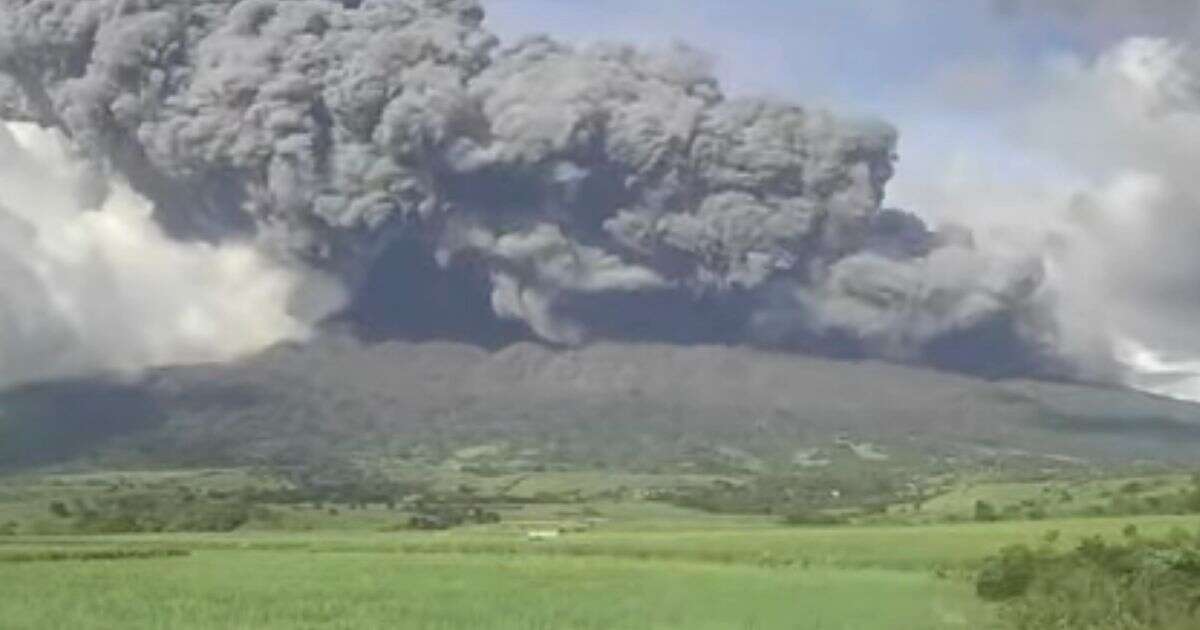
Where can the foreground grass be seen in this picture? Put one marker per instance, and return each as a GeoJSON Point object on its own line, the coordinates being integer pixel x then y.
{"type": "Point", "coordinates": [853, 578]}
{"type": "Point", "coordinates": [282, 589]}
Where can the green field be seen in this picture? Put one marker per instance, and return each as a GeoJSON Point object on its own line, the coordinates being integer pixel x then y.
{"type": "Point", "coordinates": [281, 589]}
{"type": "Point", "coordinates": [492, 577]}
{"type": "Point", "coordinates": [620, 563]}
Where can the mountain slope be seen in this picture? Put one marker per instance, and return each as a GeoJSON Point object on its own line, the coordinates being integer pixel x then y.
{"type": "Point", "coordinates": [610, 402]}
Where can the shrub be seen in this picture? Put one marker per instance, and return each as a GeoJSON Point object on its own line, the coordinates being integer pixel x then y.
{"type": "Point", "coordinates": [213, 517]}
{"type": "Point", "coordinates": [77, 555]}
{"type": "Point", "coordinates": [812, 517]}
{"type": "Point", "coordinates": [1133, 487]}
{"type": "Point", "coordinates": [1008, 575]}
{"type": "Point", "coordinates": [875, 508]}
{"type": "Point", "coordinates": [1141, 584]}
{"type": "Point", "coordinates": [428, 522]}
{"type": "Point", "coordinates": [135, 513]}
{"type": "Point", "coordinates": [59, 509]}
{"type": "Point", "coordinates": [985, 512]}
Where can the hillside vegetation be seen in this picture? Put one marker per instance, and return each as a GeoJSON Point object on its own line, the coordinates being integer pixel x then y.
{"type": "Point", "coordinates": [621, 406]}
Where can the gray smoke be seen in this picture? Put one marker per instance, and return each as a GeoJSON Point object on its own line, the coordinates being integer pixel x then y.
{"type": "Point", "coordinates": [603, 192]}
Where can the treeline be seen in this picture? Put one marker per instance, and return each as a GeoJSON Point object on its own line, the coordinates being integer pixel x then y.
{"type": "Point", "coordinates": [80, 555]}
{"type": "Point", "coordinates": [329, 487]}
{"type": "Point", "coordinates": [446, 516]}
{"type": "Point", "coordinates": [1133, 498]}
{"type": "Point", "coordinates": [799, 499]}
{"type": "Point", "coordinates": [350, 495]}
{"type": "Point", "coordinates": [156, 512]}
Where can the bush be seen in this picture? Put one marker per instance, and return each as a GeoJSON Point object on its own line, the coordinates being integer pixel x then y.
{"type": "Point", "coordinates": [428, 522]}
{"type": "Point", "coordinates": [59, 509]}
{"type": "Point", "coordinates": [1133, 487]}
{"type": "Point", "coordinates": [78, 555]}
{"type": "Point", "coordinates": [213, 517]}
{"type": "Point", "coordinates": [985, 512]}
{"type": "Point", "coordinates": [812, 517]}
{"type": "Point", "coordinates": [136, 513]}
{"type": "Point", "coordinates": [1138, 585]}
{"type": "Point", "coordinates": [876, 508]}
{"type": "Point", "coordinates": [1008, 575]}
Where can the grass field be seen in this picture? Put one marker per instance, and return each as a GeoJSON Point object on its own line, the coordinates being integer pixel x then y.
{"type": "Point", "coordinates": [1054, 498]}
{"type": "Point", "coordinates": [281, 589]}
{"type": "Point", "coordinates": [908, 548]}
{"type": "Point", "coordinates": [853, 578]}
{"type": "Point", "coordinates": [641, 565]}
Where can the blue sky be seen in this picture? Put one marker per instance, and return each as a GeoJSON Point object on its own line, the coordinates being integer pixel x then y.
{"type": "Point", "coordinates": [859, 51]}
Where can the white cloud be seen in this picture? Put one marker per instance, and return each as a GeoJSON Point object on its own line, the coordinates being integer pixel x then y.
{"type": "Point", "coordinates": [1155, 373]}
{"type": "Point", "coordinates": [88, 280]}
{"type": "Point", "coordinates": [1094, 165]}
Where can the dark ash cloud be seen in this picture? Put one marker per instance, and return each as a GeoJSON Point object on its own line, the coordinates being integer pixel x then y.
{"type": "Point", "coordinates": [592, 193]}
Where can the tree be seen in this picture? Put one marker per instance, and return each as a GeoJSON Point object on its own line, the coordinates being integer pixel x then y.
{"type": "Point", "coordinates": [985, 512]}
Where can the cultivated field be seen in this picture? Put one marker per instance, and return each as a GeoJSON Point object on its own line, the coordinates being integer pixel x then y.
{"type": "Point", "coordinates": [612, 563]}
{"type": "Point", "coordinates": [492, 577]}
{"type": "Point", "coordinates": [297, 589]}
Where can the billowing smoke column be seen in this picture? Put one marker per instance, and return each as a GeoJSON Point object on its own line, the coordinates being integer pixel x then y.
{"type": "Point", "coordinates": [598, 192]}
{"type": "Point", "coordinates": [90, 283]}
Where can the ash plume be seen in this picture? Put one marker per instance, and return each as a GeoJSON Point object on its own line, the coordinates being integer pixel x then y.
{"type": "Point", "coordinates": [604, 192]}
{"type": "Point", "coordinates": [90, 283]}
